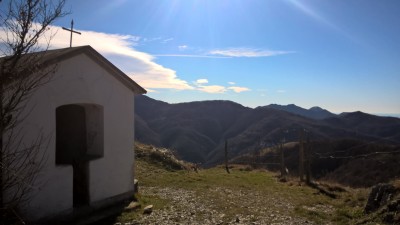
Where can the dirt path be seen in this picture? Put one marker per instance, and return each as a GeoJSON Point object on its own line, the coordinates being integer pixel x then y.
{"type": "Point", "coordinates": [239, 207]}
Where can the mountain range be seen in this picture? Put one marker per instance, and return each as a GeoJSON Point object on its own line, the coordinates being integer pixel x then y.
{"type": "Point", "coordinates": [197, 131]}
{"type": "Point", "coordinates": [314, 113]}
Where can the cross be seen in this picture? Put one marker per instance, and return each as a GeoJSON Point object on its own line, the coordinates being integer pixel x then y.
{"type": "Point", "coordinates": [72, 31]}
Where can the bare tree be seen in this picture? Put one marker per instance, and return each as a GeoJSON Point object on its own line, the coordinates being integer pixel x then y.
{"type": "Point", "coordinates": [23, 25]}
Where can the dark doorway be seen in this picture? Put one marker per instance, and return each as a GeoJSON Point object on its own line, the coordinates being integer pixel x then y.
{"type": "Point", "coordinates": [79, 139]}
{"type": "Point", "coordinates": [80, 184]}
{"type": "Point", "coordinates": [71, 149]}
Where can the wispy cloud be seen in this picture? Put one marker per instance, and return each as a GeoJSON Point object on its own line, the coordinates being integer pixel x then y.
{"type": "Point", "coordinates": [225, 53]}
{"type": "Point", "coordinates": [120, 50]}
{"type": "Point", "coordinates": [212, 89]}
{"type": "Point", "coordinates": [191, 56]}
{"type": "Point", "coordinates": [201, 85]}
{"type": "Point", "coordinates": [182, 47]}
{"type": "Point", "coordinates": [167, 40]}
{"type": "Point", "coordinates": [246, 52]}
{"type": "Point", "coordinates": [281, 91]}
{"type": "Point", "coordinates": [238, 89]}
{"type": "Point", "coordinates": [140, 66]}
{"type": "Point", "coordinates": [217, 89]}
{"type": "Point", "coordinates": [151, 39]}
{"type": "Point", "coordinates": [201, 81]}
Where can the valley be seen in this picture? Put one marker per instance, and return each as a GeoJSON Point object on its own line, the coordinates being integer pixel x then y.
{"type": "Point", "coordinates": [343, 146]}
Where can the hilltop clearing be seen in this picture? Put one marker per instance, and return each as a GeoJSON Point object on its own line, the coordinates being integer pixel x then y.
{"type": "Point", "coordinates": [348, 162]}
{"type": "Point", "coordinates": [245, 196]}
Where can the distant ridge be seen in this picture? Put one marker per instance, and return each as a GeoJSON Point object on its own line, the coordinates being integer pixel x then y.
{"type": "Point", "coordinates": [388, 115]}
{"type": "Point", "coordinates": [197, 131]}
{"type": "Point", "coordinates": [314, 113]}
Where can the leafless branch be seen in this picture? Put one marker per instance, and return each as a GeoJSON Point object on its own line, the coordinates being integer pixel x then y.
{"type": "Point", "coordinates": [23, 24]}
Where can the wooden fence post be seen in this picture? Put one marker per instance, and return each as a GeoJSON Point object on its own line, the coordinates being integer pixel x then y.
{"type": "Point", "coordinates": [226, 157]}
{"type": "Point", "coordinates": [301, 156]}
{"type": "Point", "coordinates": [283, 167]}
{"type": "Point", "coordinates": [308, 160]}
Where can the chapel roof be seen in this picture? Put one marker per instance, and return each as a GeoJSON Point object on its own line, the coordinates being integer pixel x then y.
{"type": "Point", "coordinates": [58, 55]}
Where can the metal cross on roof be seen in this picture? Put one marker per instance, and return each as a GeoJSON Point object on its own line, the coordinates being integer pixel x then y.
{"type": "Point", "coordinates": [72, 31]}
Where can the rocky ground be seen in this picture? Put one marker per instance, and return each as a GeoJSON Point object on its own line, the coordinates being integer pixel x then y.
{"type": "Point", "coordinates": [245, 196]}
{"type": "Point", "coordinates": [186, 207]}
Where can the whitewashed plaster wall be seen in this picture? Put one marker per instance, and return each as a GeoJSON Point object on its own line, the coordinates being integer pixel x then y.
{"type": "Point", "coordinates": [80, 80]}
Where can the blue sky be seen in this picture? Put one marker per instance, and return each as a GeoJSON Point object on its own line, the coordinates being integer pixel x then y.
{"type": "Point", "coordinates": [342, 55]}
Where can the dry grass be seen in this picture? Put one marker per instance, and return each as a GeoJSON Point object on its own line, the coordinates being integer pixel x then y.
{"type": "Point", "coordinates": [254, 194]}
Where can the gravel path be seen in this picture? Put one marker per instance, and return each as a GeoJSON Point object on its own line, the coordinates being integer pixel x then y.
{"type": "Point", "coordinates": [242, 207]}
